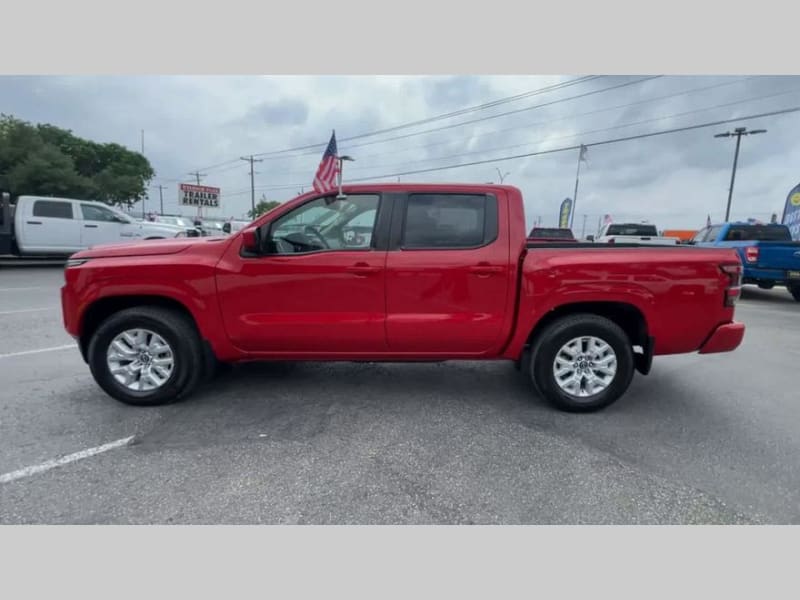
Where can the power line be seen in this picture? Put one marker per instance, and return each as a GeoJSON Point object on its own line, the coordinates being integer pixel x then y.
{"type": "Point", "coordinates": [483, 106]}
{"type": "Point", "coordinates": [252, 160]}
{"type": "Point", "coordinates": [197, 175]}
{"type": "Point", "coordinates": [612, 128]}
{"type": "Point", "coordinates": [489, 117]}
{"type": "Point", "coordinates": [572, 147]}
{"type": "Point", "coordinates": [579, 134]}
{"type": "Point", "coordinates": [564, 118]}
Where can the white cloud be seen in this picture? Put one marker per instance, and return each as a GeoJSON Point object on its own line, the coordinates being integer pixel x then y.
{"type": "Point", "coordinates": [194, 122]}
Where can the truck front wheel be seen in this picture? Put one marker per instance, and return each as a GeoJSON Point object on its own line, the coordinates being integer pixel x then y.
{"type": "Point", "coordinates": [146, 356]}
{"type": "Point", "coordinates": [794, 290]}
{"type": "Point", "coordinates": [582, 363]}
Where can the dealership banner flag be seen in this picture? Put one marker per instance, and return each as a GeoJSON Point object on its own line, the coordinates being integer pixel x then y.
{"type": "Point", "coordinates": [791, 212]}
{"type": "Point", "coordinates": [563, 216]}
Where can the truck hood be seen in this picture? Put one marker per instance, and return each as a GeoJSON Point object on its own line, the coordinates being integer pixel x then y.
{"type": "Point", "coordinates": [142, 248]}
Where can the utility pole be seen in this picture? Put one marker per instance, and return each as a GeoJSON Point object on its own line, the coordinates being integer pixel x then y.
{"type": "Point", "coordinates": [198, 175]}
{"type": "Point", "coordinates": [501, 175]}
{"type": "Point", "coordinates": [583, 230]}
{"type": "Point", "coordinates": [581, 158]}
{"type": "Point", "coordinates": [737, 133]}
{"type": "Point", "coordinates": [252, 160]}
{"type": "Point", "coordinates": [161, 196]}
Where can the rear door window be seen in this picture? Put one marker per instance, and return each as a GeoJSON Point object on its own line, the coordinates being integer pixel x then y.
{"type": "Point", "coordinates": [442, 221]}
{"type": "Point", "coordinates": [55, 209]}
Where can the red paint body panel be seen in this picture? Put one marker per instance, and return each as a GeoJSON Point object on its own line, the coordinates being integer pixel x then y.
{"type": "Point", "coordinates": [408, 304]}
{"type": "Point", "coordinates": [724, 339]}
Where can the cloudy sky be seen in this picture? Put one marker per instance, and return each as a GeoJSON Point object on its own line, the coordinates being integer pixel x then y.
{"type": "Point", "coordinates": [674, 180]}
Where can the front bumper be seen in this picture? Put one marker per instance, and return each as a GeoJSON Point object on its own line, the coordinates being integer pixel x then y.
{"type": "Point", "coordinates": [725, 338]}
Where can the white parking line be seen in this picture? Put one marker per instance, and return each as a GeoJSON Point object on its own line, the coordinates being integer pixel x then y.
{"type": "Point", "coordinates": [27, 310]}
{"type": "Point", "coordinates": [24, 352]}
{"type": "Point", "coordinates": [58, 462]}
{"type": "Point", "coordinates": [17, 289]}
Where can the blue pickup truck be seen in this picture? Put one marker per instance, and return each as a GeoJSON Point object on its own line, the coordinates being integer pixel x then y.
{"type": "Point", "coordinates": [768, 254]}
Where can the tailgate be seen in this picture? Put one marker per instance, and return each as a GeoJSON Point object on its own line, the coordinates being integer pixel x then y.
{"type": "Point", "coordinates": [779, 255]}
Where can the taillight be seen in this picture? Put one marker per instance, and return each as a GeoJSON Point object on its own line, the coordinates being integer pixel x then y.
{"type": "Point", "coordinates": [751, 254]}
{"type": "Point", "coordinates": [734, 289]}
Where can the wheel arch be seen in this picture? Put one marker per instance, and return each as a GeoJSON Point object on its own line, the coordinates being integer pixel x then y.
{"type": "Point", "coordinates": [104, 307]}
{"type": "Point", "coordinates": [629, 317]}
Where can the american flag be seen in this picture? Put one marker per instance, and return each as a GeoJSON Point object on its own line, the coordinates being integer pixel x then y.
{"type": "Point", "coordinates": [325, 179]}
{"type": "Point", "coordinates": [606, 219]}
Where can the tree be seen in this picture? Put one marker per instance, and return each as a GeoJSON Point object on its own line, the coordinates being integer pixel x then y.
{"type": "Point", "coordinates": [46, 160]}
{"type": "Point", "coordinates": [262, 207]}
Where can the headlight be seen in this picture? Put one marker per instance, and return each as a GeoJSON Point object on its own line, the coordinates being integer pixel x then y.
{"type": "Point", "coordinates": [76, 262]}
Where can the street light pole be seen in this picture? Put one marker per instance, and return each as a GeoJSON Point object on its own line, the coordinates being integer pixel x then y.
{"type": "Point", "coordinates": [738, 133]}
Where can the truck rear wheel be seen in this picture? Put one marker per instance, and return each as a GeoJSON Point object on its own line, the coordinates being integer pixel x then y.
{"type": "Point", "coordinates": [146, 356]}
{"type": "Point", "coordinates": [582, 363]}
{"type": "Point", "coordinates": [794, 290]}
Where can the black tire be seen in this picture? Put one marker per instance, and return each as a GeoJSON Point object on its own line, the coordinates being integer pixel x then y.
{"type": "Point", "coordinates": [766, 286]}
{"type": "Point", "coordinates": [550, 341]}
{"type": "Point", "coordinates": [178, 331]}
{"type": "Point", "coordinates": [794, 290]}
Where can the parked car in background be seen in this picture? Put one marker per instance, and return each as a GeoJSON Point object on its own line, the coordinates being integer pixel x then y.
{"type": "Point", "coordinates": [43, 225]}
{"type": "Point", "coordinates": [551, 234]}
{"type": "Point", "coordinates": [212, 227]}
{"type": "Point", "coordinates": [233, 226]}
{"type": "Point", "coordinates": [184, 222]}
{"type": "Point", "coordinates": [767, 251]}
{"type": "Point", "coordinates": [632, 233]}
{"type": "Point", "coordinates": [418, 272]}
{"type": "Point", "coordinates": [684, 235]}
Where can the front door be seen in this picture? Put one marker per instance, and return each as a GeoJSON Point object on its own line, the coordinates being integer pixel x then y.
{"type": "Point", "coordinates": [319, 288]}
{"type": "Point", "coordinates": [100, 225]}
{"type": "Point", "coordinates": [447, 274]}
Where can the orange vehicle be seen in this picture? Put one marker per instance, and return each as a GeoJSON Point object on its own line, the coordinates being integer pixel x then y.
{"type": "Point", "coordinates": [684, 235]}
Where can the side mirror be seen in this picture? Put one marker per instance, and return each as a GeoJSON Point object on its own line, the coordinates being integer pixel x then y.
{"type": "Point", "coordinates": [251, 239]}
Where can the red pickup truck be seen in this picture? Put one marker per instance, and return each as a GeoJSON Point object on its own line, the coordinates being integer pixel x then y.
{"type": "Point", "coordinates": [396, 272]}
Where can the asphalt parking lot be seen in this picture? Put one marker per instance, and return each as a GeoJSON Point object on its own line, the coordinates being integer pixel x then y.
{"type": "Point", "coordinates": [703, 439]}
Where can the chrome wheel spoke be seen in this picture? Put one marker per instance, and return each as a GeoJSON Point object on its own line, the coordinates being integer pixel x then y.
{"type": "Point", "coordinates": [584, 367]}
{"type": "Point", "coordinates": [140, 360]}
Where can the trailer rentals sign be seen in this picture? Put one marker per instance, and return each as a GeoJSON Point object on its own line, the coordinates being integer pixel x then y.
{"type": "Point", "coordinates": [199, 195]}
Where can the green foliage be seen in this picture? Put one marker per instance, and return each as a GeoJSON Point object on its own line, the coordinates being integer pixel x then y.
{"type": "Point", "coordinates": [46, 160]}
{"type": "Point", "coordinates": [262, 207]}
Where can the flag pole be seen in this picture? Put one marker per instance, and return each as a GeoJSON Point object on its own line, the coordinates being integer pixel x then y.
{"type": "Point", "coordinates": [575, 195]}
{"type": "Point", "coordinates": [340, 160]}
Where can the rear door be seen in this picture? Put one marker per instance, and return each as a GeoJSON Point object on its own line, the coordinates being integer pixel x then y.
{"type": "Point", "coordinates": [50, 226]}
{"type": "Point", "coordinates": [447, 273]}
{"type": "Point", "coordinates": [99, 225]}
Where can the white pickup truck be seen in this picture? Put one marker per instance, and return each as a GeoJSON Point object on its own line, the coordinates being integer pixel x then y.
{"type": "Point", "coordinates": [633, 233]}
{"type": "Point", "coordinates": [40, 225]}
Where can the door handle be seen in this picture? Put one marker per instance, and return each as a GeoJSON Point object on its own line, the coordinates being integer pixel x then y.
{"type": "Point", "coordinates": [33, 222]}
{"type": "Point", "coordinates": [484, 270]}
{"type": "Point", "coordinates": [362, 269]}
{"type": "Point", "coordinates": [95, 226]}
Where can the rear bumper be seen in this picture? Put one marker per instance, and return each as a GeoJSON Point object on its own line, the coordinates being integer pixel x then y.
{"type": "Point", "coordinates": [724, 339]}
